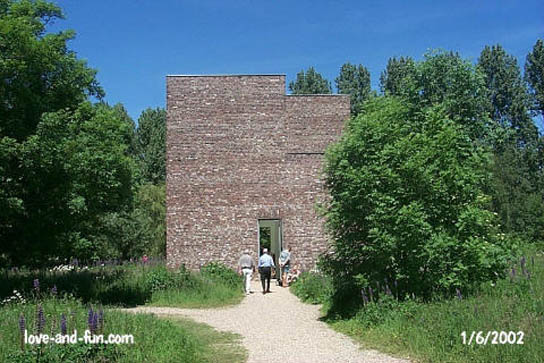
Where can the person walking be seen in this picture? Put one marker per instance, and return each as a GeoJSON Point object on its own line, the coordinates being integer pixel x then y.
{"type": "Point", "coordinates": [265, 267]}
{"type": "Point", "coordinates": [285, 263]}
{"type": "Point", "coordinates": [246, 267]}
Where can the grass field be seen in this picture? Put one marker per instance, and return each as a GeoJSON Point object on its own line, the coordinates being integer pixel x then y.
{"type": "Point", "coordinates": [432, 332]}
{"type": "Point", "coordinates": [61, 302]}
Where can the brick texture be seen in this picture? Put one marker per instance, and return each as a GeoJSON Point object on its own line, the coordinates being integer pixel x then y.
{"type": "Point", "coordinates": [239, 149]}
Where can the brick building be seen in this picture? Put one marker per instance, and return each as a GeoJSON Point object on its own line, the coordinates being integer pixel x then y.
{"type": "Point", "coordinates": [242, 156]}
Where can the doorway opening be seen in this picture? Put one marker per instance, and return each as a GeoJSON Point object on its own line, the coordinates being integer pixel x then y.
{"type": "Point", "coordinates": [270, 238]}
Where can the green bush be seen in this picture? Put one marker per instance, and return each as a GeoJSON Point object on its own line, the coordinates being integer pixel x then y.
{"type": "Point", "coordinates": [313, 288]}
{"type": "Point", "coordinates": [218, 272]}
{"type": "Point", "coordinates": [407, 206]}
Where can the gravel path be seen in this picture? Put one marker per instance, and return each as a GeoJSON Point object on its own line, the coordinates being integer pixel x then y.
{"type": "Point", "coordinates": [277, 327]}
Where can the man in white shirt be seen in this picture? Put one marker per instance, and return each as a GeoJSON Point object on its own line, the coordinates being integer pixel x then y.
{"type": "Point", "coordinates": [246, 267]}
{"type": "Point", "coordinates": [265, 268]}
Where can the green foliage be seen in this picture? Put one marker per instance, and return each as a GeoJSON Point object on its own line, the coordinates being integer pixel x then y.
{"type": "Point", "coordinates": [160, 278]}
{"type": "Point", "coordinates": [407, 204]}
{"type": "Point", "coordinates": [313, 288]}
{"type": "Point", "coordinates": [63, 162]}
{"type": "Point", "coordinates": [151, 145]}
{"type": "Point", "coordinates": [517, 195]}
{"type": "Point", "coordinates": [133, 284]}
{"type": "Point", "coordinates": [142, 230]}
{"type": "Point", "coordinates": [534, 74]}
{"type": "Point", "coordinates": [310, 82]}
{"type": "Point", "coordinates": [507, 94]}
{"type": "Point", "coordinates": [399, 76]}
{"type": "Point", "coordinates": [217, 271]}
{"type": "Point", "coordinates": [74, 168]}
{"type": "Point", "coordinates": [38, 73]}
{"type": "Point", "coordinates": [444, 78]}
{"type": "Point", "coordinates": [407, 328]}
{"type": "Point", "coordinates": [176, 340]}
{"type": "Point", "coordinates": [354, 81]}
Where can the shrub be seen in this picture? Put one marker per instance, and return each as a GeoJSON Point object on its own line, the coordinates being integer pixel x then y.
{"type": "Point", "coordinates": [313, 288]}
{"type": "Point", "coordinates": [218, 272]}
{"type": "Point", "coordinates": [407, 205]}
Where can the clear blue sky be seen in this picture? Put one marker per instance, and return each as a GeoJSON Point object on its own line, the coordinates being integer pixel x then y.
{"type": "Point", "coordinates": [135, 44]}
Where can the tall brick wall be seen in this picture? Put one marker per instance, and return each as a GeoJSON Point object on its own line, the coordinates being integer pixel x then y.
{"type": "Point", "coordinates": [239, 150]}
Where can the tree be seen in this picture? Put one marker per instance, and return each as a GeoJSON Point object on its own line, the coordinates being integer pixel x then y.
{"type": "Point", "coordinates": [310, 82]}
{"type": "Point", "coordinates": [64, 163]}
{"type": "Point", "coordinates": [354, 81]}
{"type": "Point", "coordinates": [75, 169]}
{"type": "Point", "coordinates": [398, 78]}
{"type": "Point", "coordinates": [38, 73]}
{"type": "Point", "coordinates": [151, 145]}
{"type": "Point", "coordinates": [534, 73]}
{"type": "Point", "coordinates": [444, 78]}
{"type": "Point", "coordinates": [517, 192]}
{"type": "Point", "coordinates": [507, 94]}
{"type": "Point", "coordinates": [407, 205]}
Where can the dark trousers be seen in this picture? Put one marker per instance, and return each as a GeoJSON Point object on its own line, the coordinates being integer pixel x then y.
{"type": "Point", "coordinates": [266, 272]}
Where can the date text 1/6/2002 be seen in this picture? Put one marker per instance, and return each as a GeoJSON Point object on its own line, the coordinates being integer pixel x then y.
{"type": "Point", "coordinates": [493, 337]}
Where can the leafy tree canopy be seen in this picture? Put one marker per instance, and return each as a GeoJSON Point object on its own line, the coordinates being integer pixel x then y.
{"type": "Point", "coordinates": [399, 76]}
{"type": "Point", "coordinates": [310, 82]}
{"type": "Point", "coordinates": [151, 144]}
{"type": "Point", "coordinates": [534, 73]}
{"type": "Point", "coordinates": [38, 73]}
{"type": "Point", "coordinates": [507, 94]}
{"type": "Point", "coordinates": [408, 203]}
{"type": "Point", "coordinates": [354, 81]}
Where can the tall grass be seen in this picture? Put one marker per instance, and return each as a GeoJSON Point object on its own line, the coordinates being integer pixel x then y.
{"type": "Point", "coordinates": [72, 293]}
{"type": "Point", "coordinates": [431, 332]}
{"type": "Point", "coordinates": [180, 341]}
{"type": "Point", "coordinates": [132, 285]}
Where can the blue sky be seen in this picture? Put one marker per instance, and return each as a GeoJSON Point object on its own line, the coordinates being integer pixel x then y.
{"type": "Point", "coordinates": [135, 44]}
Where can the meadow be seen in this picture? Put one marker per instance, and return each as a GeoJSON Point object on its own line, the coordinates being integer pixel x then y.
{"type": "Point", "coordinates": [432, 331]}
{"type": "Point", "coordinates": [70, 299]}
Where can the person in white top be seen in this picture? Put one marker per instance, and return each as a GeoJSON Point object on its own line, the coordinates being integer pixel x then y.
{"type": "Point", "coordinates": [246, 267]}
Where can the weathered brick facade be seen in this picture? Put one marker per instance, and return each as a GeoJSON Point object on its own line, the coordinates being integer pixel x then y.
{"type": "Point", "coordinates": [239, 149]}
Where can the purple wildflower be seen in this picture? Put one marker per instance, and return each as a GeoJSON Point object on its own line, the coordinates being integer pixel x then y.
{"type": "Point", "coordinates": [458, 293]}
{"type": "Point", "coordinates": [63, 328]}
{"type": "Point", "coordinates": [22, 328]}
{"type": "Point", "coordinates": [388, 290]}
{"type": "Point", "coordinates": [101, 319]}
{"type": "Point", "coordinates": [22, 323]}
{"type": "Point", "coordinates": [365, 299]}
{"type": "Point", "coordinates": [54, 290]}
{"type": "Point", "coordinates": [40, 319]}
{"type": "Point", "coordinates": [95, 322]}
{"type": "Point", "coordinates": [36, 285]}
{"type": "Point", "coordinates": [90, 319]}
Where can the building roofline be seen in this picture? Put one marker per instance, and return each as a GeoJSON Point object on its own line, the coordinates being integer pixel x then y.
{"type": "Point", "coordinates": [318, 94]}
{"type": "Point", "coordinates": [225, 75]}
